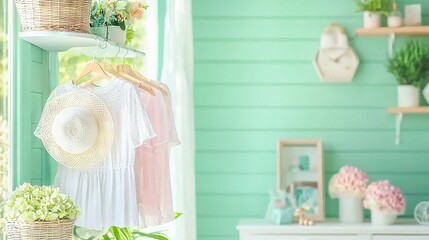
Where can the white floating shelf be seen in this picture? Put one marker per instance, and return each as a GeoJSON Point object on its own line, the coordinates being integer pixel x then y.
{"type": "Point", "coordinates": [84, 43]}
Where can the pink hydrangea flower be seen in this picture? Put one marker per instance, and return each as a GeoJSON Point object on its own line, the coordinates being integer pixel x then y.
{"type": "Point", "coordinates": [385, 197]}
{"type": "Point", "coordinates": [349, 181]}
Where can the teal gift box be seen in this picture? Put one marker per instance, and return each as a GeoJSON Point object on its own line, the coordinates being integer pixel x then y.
{"type": "Point", "coordinates": [282, 215]}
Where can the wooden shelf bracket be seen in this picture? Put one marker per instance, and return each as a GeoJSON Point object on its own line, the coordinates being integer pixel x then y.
{"type": "Point", "coordinates": [398, 128]}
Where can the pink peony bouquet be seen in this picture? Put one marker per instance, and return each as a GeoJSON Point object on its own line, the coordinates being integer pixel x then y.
{"type": "Point", "coordinates": [385, 197]}
{"type": "Point", "coordinates": [349, 181]}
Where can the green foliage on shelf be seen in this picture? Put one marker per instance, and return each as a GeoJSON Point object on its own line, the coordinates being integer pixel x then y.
{"type": "Point", "coordinates": [382, 6]}
{"type": "Point", "coordinates": [117, 233]}
{"type": "Point", "coordinates": [71, 63]}
{"type": "Point", "coordinates": [410, 65]}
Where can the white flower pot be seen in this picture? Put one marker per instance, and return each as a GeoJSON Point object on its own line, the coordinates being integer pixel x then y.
{"type": "Point", "coordinates": [408, 96]}
{"type": "Point", "coordinates": [116, 34]}
{"type": "Point", "coordinates": [112, 33]}
{"type": "Point", "coordinates": [380, 218]}
{"type": "Point", "coordinates": [350, 209]}
{"type": "Point", "coordinates": [371, 19]}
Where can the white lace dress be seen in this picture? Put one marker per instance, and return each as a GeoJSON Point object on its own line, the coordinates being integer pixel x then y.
{"type": "Point", "coordinates": [106, 193]}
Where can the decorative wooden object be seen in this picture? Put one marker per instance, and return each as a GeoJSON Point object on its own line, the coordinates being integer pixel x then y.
{"type": "Point", "coordinates": [302, 220]}
{"type": "Point", "coordinates": [300, 173]}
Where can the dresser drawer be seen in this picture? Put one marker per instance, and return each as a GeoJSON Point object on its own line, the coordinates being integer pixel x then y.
{"type": "Point", "coordinates": [403, 237]}
{"type": "Point", "coordinates": [307, 237]}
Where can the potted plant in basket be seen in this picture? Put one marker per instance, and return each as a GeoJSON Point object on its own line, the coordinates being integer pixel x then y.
{"type": "Point", "coordinates": [372, 11]}
{"type": "Point", "coordinates": [113, 19]}
{"type": "Point", "coordinates": [349, 185]}
{"type": "Point", "coordinates": [385, 201]}
{"type": "Point", "coordinates": [39, 213]}
{"type": "Point", "coordinates": [410, 66]}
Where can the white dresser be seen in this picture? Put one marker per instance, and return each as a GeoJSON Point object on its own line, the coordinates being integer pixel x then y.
{"type": "Point", "coordinates": [404, 229]}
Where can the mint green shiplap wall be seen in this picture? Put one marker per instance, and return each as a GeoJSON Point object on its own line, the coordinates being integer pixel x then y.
{"type": "Point", "coordinates": [255, 83]}
{"type": "Point", "coordinates": [30, 89]}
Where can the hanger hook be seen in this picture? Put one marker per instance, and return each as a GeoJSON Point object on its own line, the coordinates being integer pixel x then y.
{"type": "Point", "coordinates": [96, 49]}
{"type": "Point", "coordinates": [119, 50]}
{"type": "Point", "coordinates": [107, 51]}
{"type": "Point", "coordinates": [126, 54]}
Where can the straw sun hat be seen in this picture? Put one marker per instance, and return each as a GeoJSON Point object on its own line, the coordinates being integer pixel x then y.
{"type": "Point", "coordinates": [76, 129]}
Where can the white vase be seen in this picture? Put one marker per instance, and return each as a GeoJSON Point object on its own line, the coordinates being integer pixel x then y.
{"type": "Point", "coordinates": [112, 33]}
{"type": "Point", "coordinates": [380, 218]}
{"type": "Point", "coordinates": [371, 19]}
{"type": "Point", "coordinates": [408, 96]}
{"type": "Point", "coordinates": [350, 209]}
{"type": "Point", "coordinates": [394, 21]}
{"type": "Point", "coordinates": [116, 34]}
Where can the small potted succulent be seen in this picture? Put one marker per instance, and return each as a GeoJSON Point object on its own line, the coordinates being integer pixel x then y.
{"type": "Point", "coordinates": [385, 201]}
{"type": "Point", "coordinates": [349, 186]}
{"type": "Point", "coordinates": [113, 19]}
{"type": "Point", "coordinates": [410, 66]}
{"type": "Point", "coordinates": [39, 213]}
{"type": "Point", "coordinates": [372, 11]}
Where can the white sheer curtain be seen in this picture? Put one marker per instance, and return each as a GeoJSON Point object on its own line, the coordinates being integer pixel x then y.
{"type": "Point", "coordinates": [150, 66]}
{"type": "Point", "coordinates": [177, 73]}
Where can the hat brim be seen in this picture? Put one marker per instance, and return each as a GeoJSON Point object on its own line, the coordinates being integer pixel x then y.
{"type": "Point", "coordinates": [105, 137]}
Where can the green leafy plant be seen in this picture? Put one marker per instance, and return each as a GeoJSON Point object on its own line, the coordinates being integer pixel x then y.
{"type": "Point", "coordinates": [410, 65]}
{"type": "Point", "coordinates": [120, 13]}
{"type": "Point", "coordinates": [39, 203]}
{"type": "Point", "coordinates": [382, 6]}
{"type": "Point", "coordinates": [117, 233]}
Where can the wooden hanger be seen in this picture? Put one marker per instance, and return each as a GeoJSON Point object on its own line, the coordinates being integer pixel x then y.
{"type": "Point", "coordinates": [92, 67]}
{"type": "Point", "coordinates": [132, 79]}
{"type": "Point", "coordinates": [127, 70]}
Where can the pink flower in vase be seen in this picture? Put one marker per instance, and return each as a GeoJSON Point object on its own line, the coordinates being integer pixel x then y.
{"type": "Point", "coordinates": [385, 197]}
{"type": "Point", "coordinates": [349, 181]}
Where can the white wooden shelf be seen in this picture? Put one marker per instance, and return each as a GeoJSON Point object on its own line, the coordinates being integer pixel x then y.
{"type": "Point", "coordinates": [332, 229]}
{"type": "Point", "coordinates": [399, 112]}
{"type": "Point", "coordinates": [399, 31]}
{"type": "Point", "coordinates": [84, 43]}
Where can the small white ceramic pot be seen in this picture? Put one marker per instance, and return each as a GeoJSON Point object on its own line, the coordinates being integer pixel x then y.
{"type": "Point", "coordinates": [380, 218]}
{"type": "Point", "coordinates": [408, 96]}
{"type": "Point", "coordinates": [394, 21]}
{"type": "Point", "coordinates": [112, 33]}
{"type": "Point", "coordinates": [371, 19]}
{"type": "Point", "coordinates": [116, 34]}
{"type": "Point", "coordinates": [350, 209]}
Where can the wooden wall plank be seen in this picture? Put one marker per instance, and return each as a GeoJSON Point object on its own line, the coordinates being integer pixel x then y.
{"type": "Point", "coordinates": [243, 74]}
{"type": "Point", "coordinates": [327, 95]}
{"type": "Point", "coordinates": [302, 119]}
{"type": "Point", "coordinates": [265, 140]}
{"type": "Point", "coordinates": [264, 162]}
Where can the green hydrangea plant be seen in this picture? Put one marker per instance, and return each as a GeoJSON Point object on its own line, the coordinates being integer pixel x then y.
{"type": "Point", "coordinates": [39, 203]}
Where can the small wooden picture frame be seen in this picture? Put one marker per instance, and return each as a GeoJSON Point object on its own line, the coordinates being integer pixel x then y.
{"type": "Point", "coordinates": [300, 173]}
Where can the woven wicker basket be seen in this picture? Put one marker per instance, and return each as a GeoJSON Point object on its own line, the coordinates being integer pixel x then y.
{"type": "Point", "coordinates": [61, 230]}
{"type": "Point", "coordinates": [54, 15]}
